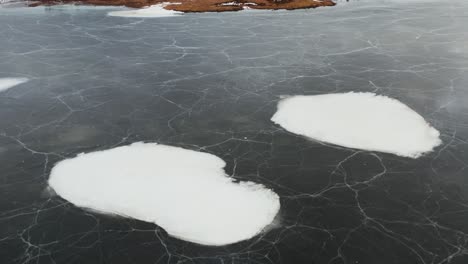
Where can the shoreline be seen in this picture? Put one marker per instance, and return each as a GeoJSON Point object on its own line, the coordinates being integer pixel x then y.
{"type": "Point", "coordinates": [197, 6]}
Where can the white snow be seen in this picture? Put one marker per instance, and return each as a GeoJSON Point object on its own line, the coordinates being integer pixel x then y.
{"type": "Point", "coordinates": [231, 4]}
{"type": "Point", "coordinates": [183, 191]}
{"type": "Point", "coordinates": [237, 4]}
{"type": "Point", "coordinates": [358, 120]}
{"type": "Point", "coordinates": [7, 83]}
{"type": "Point", "coordinates": [151, 11]}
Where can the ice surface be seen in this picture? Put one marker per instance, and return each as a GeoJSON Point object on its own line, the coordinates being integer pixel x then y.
{"type": "Point", "coordinates": [210, 80]}
{"type": "Point", "coordinates": [185, 192]}
{"type": "Point", "coordinates": [152, 11]}
{"type": "Point", "coordinates": [7, 83]}
{"type": "Point", "coordinates": [358, 120]}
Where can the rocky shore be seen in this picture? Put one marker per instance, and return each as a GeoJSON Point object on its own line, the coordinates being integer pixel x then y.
{"type": "Point", "coordinates": [199, 5]}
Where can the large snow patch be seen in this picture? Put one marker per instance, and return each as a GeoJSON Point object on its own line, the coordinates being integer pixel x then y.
{"type": "Point", "coordinates": [183, 191]}
{"type": "Point", "coordinates": [358, 120]}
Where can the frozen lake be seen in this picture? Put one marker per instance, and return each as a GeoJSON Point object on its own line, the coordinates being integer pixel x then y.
{"type": "Point", "coordinates": [211, 83]}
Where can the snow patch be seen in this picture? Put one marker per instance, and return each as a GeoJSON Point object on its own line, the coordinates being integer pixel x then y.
{"type": "Point", "coordinates": [151, 11]}
{"type": "Point", "coordinates": [238, 4]}
{"type": "Point", "coordinates": [358, 120]}
{"type": "Point", "coordinates": [7, 83]}
{"type": "Point", "coordinates": [185, 192]}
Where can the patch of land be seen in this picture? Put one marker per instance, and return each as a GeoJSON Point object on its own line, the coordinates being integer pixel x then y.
{"type": "Point", "coordinates": [199, 5]}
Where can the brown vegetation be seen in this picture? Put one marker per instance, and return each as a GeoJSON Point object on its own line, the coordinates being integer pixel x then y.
{"type": "Point", "coordinates": [199, 5]}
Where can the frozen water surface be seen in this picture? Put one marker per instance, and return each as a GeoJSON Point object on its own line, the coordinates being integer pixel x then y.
{"type": "Point", "coordinates": [211, 83]}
